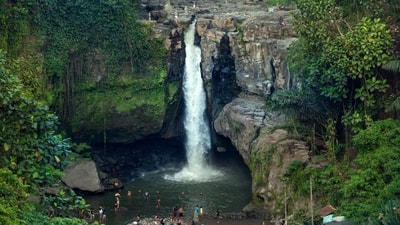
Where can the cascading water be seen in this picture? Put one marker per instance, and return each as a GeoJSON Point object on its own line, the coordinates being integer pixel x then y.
{"type": "Point", "coordinates": [198, 141]}
{"type": "Point", "coordinates": [226, 186]}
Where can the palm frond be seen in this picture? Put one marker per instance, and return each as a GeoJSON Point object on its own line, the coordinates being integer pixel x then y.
{"type": "Point", "coordinates": [390, 213]}
{"type": "Point", "coordinates": [393, 66]}
{"type": "Point", "coordinates": [394, 106]}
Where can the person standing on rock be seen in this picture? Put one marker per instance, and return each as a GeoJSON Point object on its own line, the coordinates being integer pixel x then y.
{"type": "Point", "coordinates": [180, 212]}
{"type": "Point", "coordinates": [156, 220]}
{"type": "Point", "coordinates": [196, 214]}
{"type": "Point", "coordinates": [158, 203]}
{"type": "Point", "coordinates": [102, 214]}
{"type": "Point", "coordinates": [146, 195]}
{"type": "Point", "coordinates": [217, 213]}
{"type": "Point", "coordinates": [137, 219]}
{"type": "Point", "coordinates": [91, 215]}
{"type": "Point", "coordinates": [174, 213]}
{"type": "Point", "coordinates": [117, 200]}
{"type": "Point", "coordinates": [162, 221]}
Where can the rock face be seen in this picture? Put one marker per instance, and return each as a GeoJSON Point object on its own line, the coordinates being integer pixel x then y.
{"type": "Point", "coordinates": [83, 175]}
{"type": "Point", "coordinates": [243, 45]}
{"type": "Point", "coordinates": [243, 52]}
{"type": "Point", "coordinates": [243, 62]}
{"type": "Point", "coordinates": [254, 42]}
{"type": "Point", "coordinates": [241, 121]}
{"type": "Point", "coordinates": [268, 151]}
{"type": "Point", "coordinates": [273, 152]}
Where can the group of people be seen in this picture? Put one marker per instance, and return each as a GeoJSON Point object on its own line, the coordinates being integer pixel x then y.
{"type": "Point", "coordinates": [176, 217]}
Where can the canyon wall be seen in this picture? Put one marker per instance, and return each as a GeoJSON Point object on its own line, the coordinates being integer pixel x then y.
{"type": "Point", "coordinates": [244, 49]}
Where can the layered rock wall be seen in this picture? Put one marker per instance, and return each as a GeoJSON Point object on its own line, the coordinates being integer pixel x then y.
{"type": "Point", "coordinates": [244, 51]}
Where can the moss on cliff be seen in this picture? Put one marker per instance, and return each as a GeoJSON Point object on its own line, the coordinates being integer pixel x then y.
{"type": "Point", "coordinates": [259, 164]}
{"type": "Point", "coordinates": [127, 103]}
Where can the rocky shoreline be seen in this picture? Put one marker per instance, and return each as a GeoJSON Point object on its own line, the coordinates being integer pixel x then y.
{"type": "Point", "coordinates": [223, 219]}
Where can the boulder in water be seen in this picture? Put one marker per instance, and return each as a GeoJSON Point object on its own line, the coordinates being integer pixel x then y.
{"type": "Point", "coordinates": [83, 175]}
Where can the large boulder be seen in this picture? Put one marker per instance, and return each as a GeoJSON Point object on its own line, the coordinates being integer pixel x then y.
{"type": "Point", "coordinates": [265, 148]}
{"type": "Point", "coordinates": [276, 150]}
{"type": "Point", "coordinates": [240, 121]}
{"type": "Point", "coordinates": [83, 175]}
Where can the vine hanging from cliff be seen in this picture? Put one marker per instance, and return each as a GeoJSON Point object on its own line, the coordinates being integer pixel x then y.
{"type": "Point", "coordinates": [91, 39]}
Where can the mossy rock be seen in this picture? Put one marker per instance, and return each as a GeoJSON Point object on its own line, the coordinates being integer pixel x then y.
{"type": "Point", "coordinates": [121, 113]}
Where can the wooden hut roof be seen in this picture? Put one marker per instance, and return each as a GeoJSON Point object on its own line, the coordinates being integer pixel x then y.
{"type": "Point", "coordinates": [326, 210]}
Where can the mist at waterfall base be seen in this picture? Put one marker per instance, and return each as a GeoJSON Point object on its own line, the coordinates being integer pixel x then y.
{"type": "Point", "coordinates": [229, 193]}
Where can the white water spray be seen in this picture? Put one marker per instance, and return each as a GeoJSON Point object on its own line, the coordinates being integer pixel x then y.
{"type": "Point", "coordinates": [198, 140]}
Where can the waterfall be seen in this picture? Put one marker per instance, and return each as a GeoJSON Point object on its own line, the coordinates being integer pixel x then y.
{"type": "Point", "coordinates": [198, 140]}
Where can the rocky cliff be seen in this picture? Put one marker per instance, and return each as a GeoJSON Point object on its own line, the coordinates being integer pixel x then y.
{"type": "Point", "coordinates": [244, 49]}
{"type": "Point", "coordinates": [243, 62]}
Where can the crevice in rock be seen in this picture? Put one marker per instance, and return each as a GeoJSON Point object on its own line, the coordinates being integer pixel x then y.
{"type": "Point", "coordinates": [224, 87]}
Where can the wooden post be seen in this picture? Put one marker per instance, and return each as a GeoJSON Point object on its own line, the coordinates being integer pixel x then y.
{"type": "Point", "coordinates": [311, 202]}
{"type": "Point", "coordinates": [285, 205]}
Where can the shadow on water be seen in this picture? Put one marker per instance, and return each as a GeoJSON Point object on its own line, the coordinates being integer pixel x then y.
{"type": "Point", "coordinates": [228, 193]}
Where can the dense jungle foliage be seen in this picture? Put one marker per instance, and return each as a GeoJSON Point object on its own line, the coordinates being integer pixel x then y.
{"type": "Point", "coordinates": [348, 96]}
{"type": "Point", "coordinates": [47, 49]}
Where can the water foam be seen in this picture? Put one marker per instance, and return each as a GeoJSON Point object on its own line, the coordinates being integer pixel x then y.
{"type": "Point", "coordinates": [190, 174]}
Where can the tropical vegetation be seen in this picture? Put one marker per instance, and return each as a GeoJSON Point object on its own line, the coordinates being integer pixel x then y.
{"type": "Point", "coordinates": [33, 152]}
{"type": "Point", "coordinates": [345, 59]}
{"type": "Point", "coordinates": [47, 51]}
